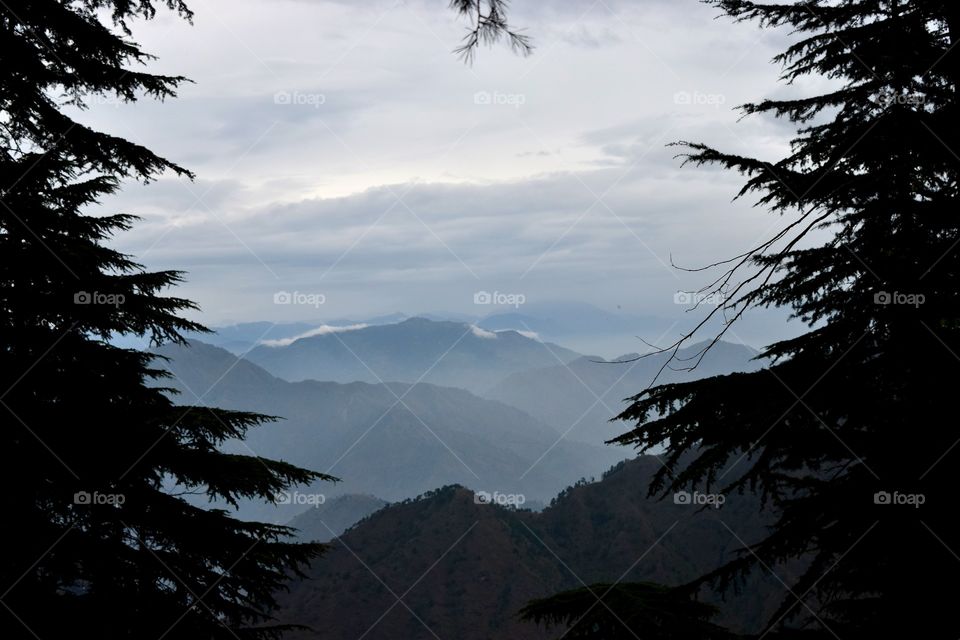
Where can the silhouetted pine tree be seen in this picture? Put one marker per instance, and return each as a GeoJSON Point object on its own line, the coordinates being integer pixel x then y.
{"type": "Point", "coordinates": [92, 545]}
{"type": "Point", "coordinates": [850, 435]}
{"type": "Point", "coordinates": [853, 421]}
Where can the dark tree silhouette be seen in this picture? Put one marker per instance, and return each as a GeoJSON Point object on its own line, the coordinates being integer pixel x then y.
{"type": "Point", "coordinates": [625, 612]}
{"type": "Point", "coordinates": [850, 434]}
{"type": "Point", "coordinates": [93, 546]}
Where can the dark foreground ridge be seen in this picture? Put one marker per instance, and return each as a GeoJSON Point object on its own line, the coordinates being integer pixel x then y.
{"type": "Point", "coordinates": [463, 570]}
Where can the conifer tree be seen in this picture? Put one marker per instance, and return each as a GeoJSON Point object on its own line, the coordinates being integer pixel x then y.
{"type": "Point", "coordinates": [93, 545]}
{"type": "Point", "coordinates": [849, 434]}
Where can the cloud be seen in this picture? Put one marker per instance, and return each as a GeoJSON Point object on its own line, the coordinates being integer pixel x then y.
{"type": "Point", "coordinates": [482, 333]}
{"type": "Point", "coordinates": [382, 184]}
{"type": "Point", "coordinates": [492, 335]}
{"type": "Point", "coordinates": [318, 331]}
{"type": "Point", "coordinates": [532, 335]}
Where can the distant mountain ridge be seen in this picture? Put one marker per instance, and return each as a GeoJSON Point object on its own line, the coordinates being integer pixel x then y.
{"type": "Point", "coordinates": [446, 353]}
{"type": "Point", "coordinates": [582, 327]}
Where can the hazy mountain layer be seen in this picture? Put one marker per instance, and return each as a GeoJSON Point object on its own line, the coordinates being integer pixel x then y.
{"type": "Point", "coordinates": [579, 398]}
{"type": "Point", "coordinates": [330, 519]}
{"type": "Point", "coordinates": [390, 440]}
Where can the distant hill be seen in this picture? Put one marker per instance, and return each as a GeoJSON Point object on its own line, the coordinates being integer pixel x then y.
{"type": "Point", "coordinates": [579, 398]}
{"type": "Point", "coordinates": [330, 519]}
{"type": "Point", "coordinates": [380, 445]}
{"type": "Point", "coordinates": [451, 354]}
{"type": "Point", "coordinates": [464, 569]}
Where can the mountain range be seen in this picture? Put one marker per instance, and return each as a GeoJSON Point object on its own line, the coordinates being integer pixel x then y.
{"type": "Point", "coordinates": [391, 440]}
{"type": "Point", "coordinates": [576, 325]}
{"type": "Point", "coordinates": [493, 417]}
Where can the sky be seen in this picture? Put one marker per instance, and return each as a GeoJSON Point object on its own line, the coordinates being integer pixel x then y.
{"type": "Point", "coordinates": [344, 154]}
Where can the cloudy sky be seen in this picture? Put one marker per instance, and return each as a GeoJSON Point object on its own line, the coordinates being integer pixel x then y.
{"type": "Point", "coordinates": [342, 150]}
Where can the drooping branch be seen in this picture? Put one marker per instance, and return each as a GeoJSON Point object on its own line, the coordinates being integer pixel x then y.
{"type": "Point", "coordinates": [488, 28]}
